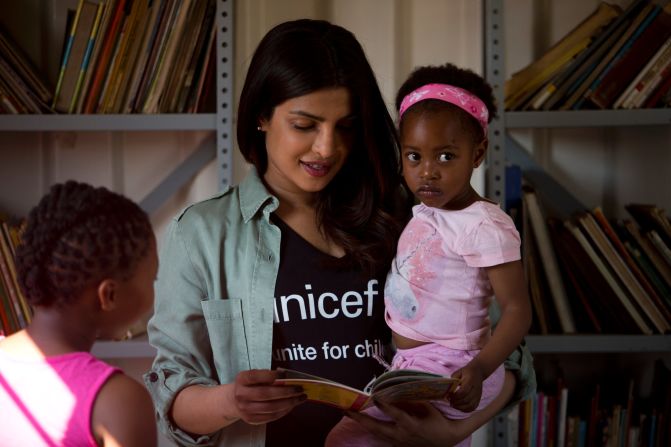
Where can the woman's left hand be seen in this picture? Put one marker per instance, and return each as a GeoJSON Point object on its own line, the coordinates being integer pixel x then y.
{"type": "Point", "coordinates": [416, 424]}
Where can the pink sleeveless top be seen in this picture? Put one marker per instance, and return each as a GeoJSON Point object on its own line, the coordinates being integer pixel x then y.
{"type": "Point", "coordinates": [49, 402]}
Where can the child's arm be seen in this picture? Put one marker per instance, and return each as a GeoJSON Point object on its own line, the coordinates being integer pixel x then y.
{"type": "Point", "coordinates": [123, 414]}
{"type": "Point", "coordinates": [510, 290]}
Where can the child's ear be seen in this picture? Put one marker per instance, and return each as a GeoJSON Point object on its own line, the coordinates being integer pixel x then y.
{"type": "Point", "coordinates": [107, 294]}
{"type": "Point", "coordinates": [480, 152]}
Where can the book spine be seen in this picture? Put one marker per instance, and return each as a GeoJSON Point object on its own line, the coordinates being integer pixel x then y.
{"type": "Point", "coordinates": [66, 53]}
{"type": "Point", "coordinates": [87, 56]}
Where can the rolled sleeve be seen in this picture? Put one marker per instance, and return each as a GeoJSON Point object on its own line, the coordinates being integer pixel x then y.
{"type": "Point", "coordinates": [178, 332]}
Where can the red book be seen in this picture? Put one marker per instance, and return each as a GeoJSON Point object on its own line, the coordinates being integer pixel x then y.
{"type": "Point", "coordinates": [627, 67]}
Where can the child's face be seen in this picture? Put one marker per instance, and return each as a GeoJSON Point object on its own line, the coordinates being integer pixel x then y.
{"type": "Point", "coordinates": [438, 157]}
{"type": "Point", "coordinates": [308, 139]}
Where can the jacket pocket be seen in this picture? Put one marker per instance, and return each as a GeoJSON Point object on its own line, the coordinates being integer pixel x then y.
{"type": "Point", "coordinates": [226, 330]}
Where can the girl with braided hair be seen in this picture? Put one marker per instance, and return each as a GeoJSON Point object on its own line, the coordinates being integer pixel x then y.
{"type": "Point", "coordinates": [86, 264]}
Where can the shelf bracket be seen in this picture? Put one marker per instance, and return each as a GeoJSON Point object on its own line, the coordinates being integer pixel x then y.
{"type": "Point", "coordinates": [204, 154]}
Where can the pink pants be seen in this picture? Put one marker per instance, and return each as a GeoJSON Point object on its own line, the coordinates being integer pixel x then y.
{"type": "Point", "coordinates": [432, 358]}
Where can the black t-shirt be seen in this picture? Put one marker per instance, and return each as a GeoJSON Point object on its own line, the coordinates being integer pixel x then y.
{"type": "Point", "coordinates": [328, 321]}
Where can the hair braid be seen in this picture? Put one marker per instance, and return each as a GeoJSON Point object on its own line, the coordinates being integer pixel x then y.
{"type": "Point", "coordinates": [75, 236]}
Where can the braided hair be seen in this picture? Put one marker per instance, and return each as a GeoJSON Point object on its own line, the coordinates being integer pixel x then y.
{"type": "Point", "coordinates": [78, 235]}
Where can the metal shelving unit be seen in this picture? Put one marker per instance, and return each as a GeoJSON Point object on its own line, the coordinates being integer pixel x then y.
{"type": "Point", "coordinates": [505, 148]}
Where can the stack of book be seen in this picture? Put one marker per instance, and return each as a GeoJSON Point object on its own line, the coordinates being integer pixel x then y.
{"type": "Point", "coordinates": [15, 313]}
{"type": "Point", "coordinates": [137, 56]}
{"type": "Point", "coordinates": [591, 274]}
{"type": "Point", "coordinates": [21, 88]}
{"type": "Point", "coordinates": [614, 59]}
{"type": "Point", "coordinates": [610, 415]}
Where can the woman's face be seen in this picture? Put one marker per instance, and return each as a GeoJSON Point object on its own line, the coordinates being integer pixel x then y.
{"type": "Point", "coordinates": [308, 139]}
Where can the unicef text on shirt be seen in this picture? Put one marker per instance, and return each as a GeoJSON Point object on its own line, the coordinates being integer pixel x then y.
{"type": "Point", "coordinates": [327, 305]}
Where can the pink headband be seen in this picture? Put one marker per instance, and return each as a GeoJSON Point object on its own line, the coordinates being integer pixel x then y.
{"type": "Point", "coordinates": [448, 93]}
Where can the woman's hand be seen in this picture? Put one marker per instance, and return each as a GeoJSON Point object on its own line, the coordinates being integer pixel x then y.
{"type": "Point", "coordinates": [414, 425]}
{"type": "Point", "coordinates": [257, 401]}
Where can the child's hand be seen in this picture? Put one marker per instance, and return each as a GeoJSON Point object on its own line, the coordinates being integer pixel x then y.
{"type": "Point", "coordinates": [467, 397]}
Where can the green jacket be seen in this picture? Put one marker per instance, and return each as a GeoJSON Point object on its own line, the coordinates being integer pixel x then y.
{"type": "Point", "coordinates": [213, 314]}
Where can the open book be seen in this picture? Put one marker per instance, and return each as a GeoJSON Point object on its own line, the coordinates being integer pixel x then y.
{"type": "Point", "coordinates": [392, 386]}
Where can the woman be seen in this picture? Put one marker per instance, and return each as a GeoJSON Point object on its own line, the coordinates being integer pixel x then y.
{"type": "Point", "coordinates": [287, 268]}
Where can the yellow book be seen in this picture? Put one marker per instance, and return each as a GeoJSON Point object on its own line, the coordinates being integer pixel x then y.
{"type": "Point", "coordinates": [547, 64]}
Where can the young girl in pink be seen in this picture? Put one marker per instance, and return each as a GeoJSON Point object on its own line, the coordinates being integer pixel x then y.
{"type": "Point", "coordinates": [87, 264]}
{"type": "Point", "coordinates": [456, 254]}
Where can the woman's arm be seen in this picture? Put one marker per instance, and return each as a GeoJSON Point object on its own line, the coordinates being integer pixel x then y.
{"type": "Point", "coordinates": [252, 397]}
{"type": "Point", "coordinates": [424, 425]}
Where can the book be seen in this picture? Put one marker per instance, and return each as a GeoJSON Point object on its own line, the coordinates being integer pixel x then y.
{"type": "Point", "coordinates": [660, 245]}
{"type": "Point", "coordinates": [533, 93]}
{"type": "Point", "coordinates": [619, 292]}
{"type": "Point", "coordinates": [87, 56]}
{"type": "Point", "coordinates": [642, 48]}
{"type": "Point", "coordinates": [159, 40]}
{"type": "Point", "coordinates": [157, 9]}
{"type": "Point", "coordinates": [11, 286]}
{"type": "Point", "coordinates": [535, 278]}
{"type": "Point", "coordinates": [646, 247]}
{"type": "Point", "coordinates": [623, 28]}
{"type": "Point", "coordinates": [121, 59]}
{"type": "Point", "coordinates": [402, 385]}
{"type": "Point", "coordinates": [196, 70]}
{"type": "Point", "coordinates": [582, 66]}
{"type": "Point", "coordinates": [108, 11]}
{"type": "Point", "coordinates": [626, 255]}
{"type": "Point", "coordinates": [73, 55]}
{"type": "Point", "coordinates": [561, 417]}
{"type": "Point", "coordinates": [645, 264]}
{"type": "Point", "coordinates": [656, 96]}
{"type": "Point", "coordinates": [194, 27]}
{"type": "Point", "coordinates": [533, 75]}
{"type": "Point", "coordinates": [622, 272]}
{"type": "Point", "coordinates": [651, 217]}
{"type": "Point", "coordinates": [646, 80]}
{"type": "Point", "coordinates": [166, 58]}
{"type": "Point", "coordinates": [549, 260]}
{"type": "Point", "coordinates": [141, 23]}
{"type": "Point", "coordinates": [573, 265]}
{"type": "Point", "coordinates": [17, 67]}
{"type": "Point", "coordinates": [103, 61]}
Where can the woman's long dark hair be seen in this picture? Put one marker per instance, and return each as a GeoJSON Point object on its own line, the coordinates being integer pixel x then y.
{"type": "Point", "coordinates": [356, 209]}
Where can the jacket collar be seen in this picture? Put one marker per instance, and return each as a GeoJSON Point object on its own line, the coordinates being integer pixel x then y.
{"type": "Point", "coordinates": [254, 196]}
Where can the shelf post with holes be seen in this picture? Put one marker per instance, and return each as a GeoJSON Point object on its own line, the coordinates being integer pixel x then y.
{"type": "Point", "coordinates": [224, 107]}
{"type": "Point", "coordinates": [495, 75]}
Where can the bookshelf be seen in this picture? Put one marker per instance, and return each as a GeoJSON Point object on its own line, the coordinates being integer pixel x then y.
{"type": "Point", "coordinates": [218, 147]}
{"type": "Point", "coordinates": [580, 355]}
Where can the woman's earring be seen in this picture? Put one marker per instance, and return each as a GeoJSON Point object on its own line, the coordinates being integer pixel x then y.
{"type": "Point", "coordinates": [258, 128]}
